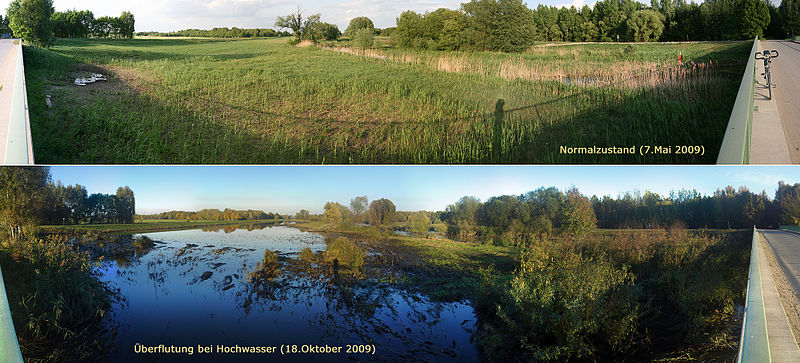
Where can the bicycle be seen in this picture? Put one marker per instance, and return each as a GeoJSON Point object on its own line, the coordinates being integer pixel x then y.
{"type": "Point", "coordinates": [767, 56]}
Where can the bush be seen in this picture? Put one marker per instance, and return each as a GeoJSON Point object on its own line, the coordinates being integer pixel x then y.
{"type": "Point", "coordinates": [364, 38]}
{"type": "Point", "coordinates": [268, 269]}
{"type": "Point", "coordinates": [308, 256]}
{"type": "Point", "coordinates": [345, 252]}
{"type": "Point", "coordinates": [293, 41]}
{"type": "Point", "coordinates": [558, 307]}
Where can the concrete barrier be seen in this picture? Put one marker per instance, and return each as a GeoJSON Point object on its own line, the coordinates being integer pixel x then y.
{"type": "Point", "coordinates": [19, 147]}
{"type": "Point", "coordinates": [735, 148]}
{"type": "Point", "coordinates": [9, 346]}
{"type": "Point", "coordinates": [754, 342]}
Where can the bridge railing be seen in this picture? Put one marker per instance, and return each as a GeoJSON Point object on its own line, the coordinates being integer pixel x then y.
{"type": "Point", "coordinates": [9, 345]}
{"type": "Point", "coordinates": [735, 147]}
{"type": "Point", "coordinates": [19, 147]}
{"type": "Point", "coordinates": [754, 344]}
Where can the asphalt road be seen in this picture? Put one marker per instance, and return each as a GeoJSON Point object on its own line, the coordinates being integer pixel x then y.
{"type": "Point", "coordinates": [8, 63]}
{"type": "Point", "coordinates": [787, 251]}
{"type": "Point", "coordinates": [786, 76]}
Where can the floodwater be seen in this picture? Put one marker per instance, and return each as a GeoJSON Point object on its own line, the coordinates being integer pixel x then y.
{"type": "Point", "coordinates": [192, 290]}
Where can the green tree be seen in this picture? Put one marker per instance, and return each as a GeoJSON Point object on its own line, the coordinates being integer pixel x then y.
{"type": "Point", "coordinates": [364, 38]}
{"type": "Point", "coordinates": [787, 199]}
{"type": "Point", "coordinates": [358, 23]}
{"type": "Point", "coordinates": [790, 15]}
{"type": "Point", "coordinates": [302, 214]}
{"type": "Point", "coordinates": [297, 24]}
{"type": "Point", "coordinates": [125, 205]}
{"type": "Point", "coordinates": [579, 218]}
{"type": "Point", "coordinates": [23, 194]}
{"type": "Point", "coordinates": [327, 31]}
{"type": "Point", "coordinates": [30, 20]}
{"type": "Point", "coordinates": [126, 25]}
{"type": "Point", "coordinates": [419, 223]}
{"type": "Point", "coordinates": [505, 25]}
{"type": "Point", "coordinates": [646, 25]}
{"type": "Point", "coordinates": [752, 17]}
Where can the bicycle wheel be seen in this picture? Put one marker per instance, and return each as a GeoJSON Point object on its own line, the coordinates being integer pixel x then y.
{"type": "Point", "coordinates": [769, 82]}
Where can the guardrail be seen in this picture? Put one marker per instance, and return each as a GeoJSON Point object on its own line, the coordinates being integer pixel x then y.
{"type": "Point", "coordinates": [735, 147]}
{"type": "Point", "coordinates": [19, 147]}
{"type": "Point", "coordinates": [754, 343]}
{"type": "Point", "coordinates": [9, 346]}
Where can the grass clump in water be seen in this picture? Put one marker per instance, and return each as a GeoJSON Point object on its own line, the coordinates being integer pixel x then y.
{"type": "Point", "coordinates": [343, 252]}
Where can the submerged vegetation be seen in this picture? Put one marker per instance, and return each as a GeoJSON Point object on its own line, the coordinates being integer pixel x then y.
{"type": "Point", "coordinates": [263, 101]}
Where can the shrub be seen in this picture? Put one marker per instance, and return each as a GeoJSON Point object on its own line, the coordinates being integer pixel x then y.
{"type": "Point", "coordinates": [268, 269]}
{"type": "Point", "coordinates": [558, 307]}
{"type": "Point", "coordinates": [364, 38]}
{"type": "Point", "coordinates": [345, 252]}
{"type": "Point", "coordinates": [308, 256]}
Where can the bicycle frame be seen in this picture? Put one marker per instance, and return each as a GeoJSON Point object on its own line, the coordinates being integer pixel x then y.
{"type": "Point", "coordinates": [767, 56]}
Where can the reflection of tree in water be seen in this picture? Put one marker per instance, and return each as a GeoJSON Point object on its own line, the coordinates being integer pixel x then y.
{"type": "Point", "coordinates": [402, 323]}
{"type": "Point", "coordinates": [233, 227]}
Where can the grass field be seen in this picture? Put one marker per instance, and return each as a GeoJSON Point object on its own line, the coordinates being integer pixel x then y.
{"type": "Point", "coordinates": [263, 101]}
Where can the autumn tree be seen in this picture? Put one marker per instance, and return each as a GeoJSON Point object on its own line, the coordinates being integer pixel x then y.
{"type": "Point", "coordinates": [381, 211]}
{"type": "Point", "coordinates": [332, 213]}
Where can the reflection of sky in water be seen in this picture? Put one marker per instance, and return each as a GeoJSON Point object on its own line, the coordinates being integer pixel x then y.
{"type": "Point", "coordinates": [167, 301]}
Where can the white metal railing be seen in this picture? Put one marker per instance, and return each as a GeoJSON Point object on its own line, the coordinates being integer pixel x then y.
{"type": "Point", "coordinates": [19, 147]}
{"type": "Point", "coordinates": [735, 147]}
{"type": "Point", "coordinates": [9, 346]}
{"type": "Point", "coordinates": [754, 343]}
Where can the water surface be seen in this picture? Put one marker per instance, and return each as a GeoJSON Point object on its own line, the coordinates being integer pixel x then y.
{"type": "Point", "coordinates": [192, 289]}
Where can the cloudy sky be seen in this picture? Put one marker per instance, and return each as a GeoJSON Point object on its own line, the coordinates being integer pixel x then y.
{"type": "Point", "coordinates": [287, 189]}
{"type": "Point", "coordinates": [170, 15]}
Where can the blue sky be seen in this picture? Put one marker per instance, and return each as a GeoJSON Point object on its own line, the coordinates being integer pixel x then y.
{"type": "Point", "coordinates": [170, 15]}
{"type": "Point", "coordinates": [286, 189]}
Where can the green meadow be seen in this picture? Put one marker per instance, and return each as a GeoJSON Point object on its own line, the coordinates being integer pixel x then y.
{"type": "Point", "coordinates": [263, 101]}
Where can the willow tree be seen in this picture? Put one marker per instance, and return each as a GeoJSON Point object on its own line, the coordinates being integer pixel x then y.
{"type": "Point", "coordinates": [23, 194]}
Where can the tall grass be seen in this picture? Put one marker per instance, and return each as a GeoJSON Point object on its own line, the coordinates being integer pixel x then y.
{"type": "Point", "coordinates": [57, 302]}
{"type": "Point", "coordinates": [263, 101]}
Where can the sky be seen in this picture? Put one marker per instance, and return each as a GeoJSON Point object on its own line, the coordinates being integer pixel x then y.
{"type": "Point", "coordinates": [171, 15]}
{"type": "Point", "coordinates": [287, 189]}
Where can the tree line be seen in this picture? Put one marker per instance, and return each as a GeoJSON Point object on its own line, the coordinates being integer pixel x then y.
{"type": "Point", "coordinates": [509, 25]}
{"type": "Point", "coordinates": [220, 33]}
{"type": "Point", "coordinates": [514, 219]}
{"type": "Point", "coordinates": [214, 215]}
{"type": "Point", "coordinates": [29, 197]}
{"type": "Point", "coordinates": [37, 22]}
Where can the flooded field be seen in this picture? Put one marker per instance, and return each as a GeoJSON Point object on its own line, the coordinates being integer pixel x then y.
{"type": "Point", "coordinates": [193, 289]}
